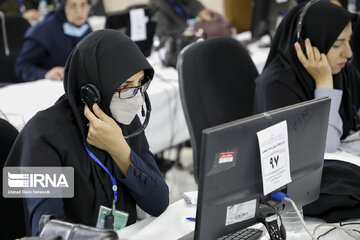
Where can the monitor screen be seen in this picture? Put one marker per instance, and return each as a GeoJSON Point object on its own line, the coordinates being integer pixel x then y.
{"type": "Point", "coordinates": [230, 181]}
{"type": "Point", "coordinates": [265, 14]}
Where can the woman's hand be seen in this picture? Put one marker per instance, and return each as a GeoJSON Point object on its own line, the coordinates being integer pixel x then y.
{"type": "Point", "coordinates": [104, 133]}
{"type": "Point", "coordinates": [56, 73]}
{"type": "Point", "coordinates": [316, 64]}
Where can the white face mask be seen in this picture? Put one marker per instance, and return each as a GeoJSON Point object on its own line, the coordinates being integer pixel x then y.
{"type": "Point", "coordinates": [74, 31]}
{"type": "Point", "coordinates": [124, 110]}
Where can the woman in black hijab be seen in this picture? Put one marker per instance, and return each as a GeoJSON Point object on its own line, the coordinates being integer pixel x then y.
{"type": "Point", "coordinates": [48, 44]}
{"type": "Point", "coordinates": [286, 81]}
{"type": "Point", "coordinates": [67, 134]}
{"type": "Point", "coordinates": [291, 77]}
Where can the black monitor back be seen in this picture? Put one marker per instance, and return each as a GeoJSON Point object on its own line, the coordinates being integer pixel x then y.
{"type": "Point", "coordinates": [121, 21]}
{"type": "Point", "coordinates": [265, 13]}
{"type": "Point", "coordinates": [222, 185]}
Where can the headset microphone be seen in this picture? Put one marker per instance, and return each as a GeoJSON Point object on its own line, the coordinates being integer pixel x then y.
{"type": "Point", "coordinates": [142, 111]}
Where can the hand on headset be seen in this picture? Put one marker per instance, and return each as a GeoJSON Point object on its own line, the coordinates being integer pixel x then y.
{"type": "Point", "coordinates": [104, 133]}
{"type": "Point", "coordinates": [316, 64]}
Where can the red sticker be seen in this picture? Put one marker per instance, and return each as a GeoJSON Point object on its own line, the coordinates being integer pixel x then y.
{"type": "Point", "coordinates": [226, 157]}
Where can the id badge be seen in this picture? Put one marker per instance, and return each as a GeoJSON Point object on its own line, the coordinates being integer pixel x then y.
{"type": "Point", "coordinates": [120, 218]}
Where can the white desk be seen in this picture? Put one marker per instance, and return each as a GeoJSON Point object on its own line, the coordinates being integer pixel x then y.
{"type": "Point", "coordinates": [167, 126]}
{"type": "Point", "coordinates": [172, 224]}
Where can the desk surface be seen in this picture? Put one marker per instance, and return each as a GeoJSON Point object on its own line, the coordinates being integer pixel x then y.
{"type": "Point", "coordinates": [172, 224]}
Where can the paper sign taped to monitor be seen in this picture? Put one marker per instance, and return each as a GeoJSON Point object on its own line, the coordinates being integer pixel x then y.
{"type": "Point", "coordinates": [138, 21]}
{"type": "Point", "coordinates": [274, 155]}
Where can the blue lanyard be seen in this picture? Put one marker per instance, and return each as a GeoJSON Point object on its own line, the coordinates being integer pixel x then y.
{"type": "Point", "coordinates": [178, 9]}
{"type": "Point", "coordinates": [113, 180]}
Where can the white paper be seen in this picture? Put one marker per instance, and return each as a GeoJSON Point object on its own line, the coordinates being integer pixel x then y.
{"type": "Point", "coordinates": [281, 1]}
{"type": "Point", "coordinates": [343, 156]}
{"type": "Point", "coordinates": [274, 154]}
{"type": "Point", "coordinates": [138, 21]}
{"type": "Point", "coordinates": [190, 197]}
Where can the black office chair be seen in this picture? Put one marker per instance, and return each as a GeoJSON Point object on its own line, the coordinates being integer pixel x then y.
{"type": "Point", "coordinates": [12, 30]}
{"type": "Point", "coordinates": [11, 209]}
{"type": "Point", "coordinates": [217, 84]}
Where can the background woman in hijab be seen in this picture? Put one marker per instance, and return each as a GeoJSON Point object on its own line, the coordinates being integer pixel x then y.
{"type": "Point", "coordinates": [286, 81]}
{"type": "Point", "coordinates": [57, 136]}
{"type": "Point", "coordinates": [291, 77]}
{"type": "Point", "coordinates": [48, 44]}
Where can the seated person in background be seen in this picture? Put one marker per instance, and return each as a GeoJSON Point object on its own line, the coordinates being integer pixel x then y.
{"type": "Point", "coordinates": [28, 8]}
{"type": "Point", "coordinates": [172, 16]}
{"type": "Point", "coordinates": [62, 135]}
{"type": "Point", "coordinates": [291, 77]}
{"type": "Point", "coordinates": [48, 44]}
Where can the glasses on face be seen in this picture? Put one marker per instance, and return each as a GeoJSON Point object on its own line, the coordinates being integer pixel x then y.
{"type": "Point", "coordinates": [74, 6]}
{"type": "Point", "coordinates": [129, 92]}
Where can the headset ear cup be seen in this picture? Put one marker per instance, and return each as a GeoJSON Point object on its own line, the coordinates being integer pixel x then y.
{"type": "Point", "coordinates": [90, 94]}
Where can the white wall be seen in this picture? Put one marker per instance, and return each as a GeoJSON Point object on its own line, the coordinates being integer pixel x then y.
{"type": "Point", "coordinates": [215, 5]}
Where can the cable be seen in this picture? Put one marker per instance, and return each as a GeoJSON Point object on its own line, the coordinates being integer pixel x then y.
{"type": "Point", "coordinates": [327, 232]}
{"type": "Point", "coordinates": [350, 232]}
{"type": "Point", "coordinates": [270, 221]}
{"type": "Point", "coordinates": [277, 212]}
{"type": "Point", "coordinates": [341, 224]}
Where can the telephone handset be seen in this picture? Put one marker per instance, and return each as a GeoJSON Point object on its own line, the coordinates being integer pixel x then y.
{"type": "Point", "coordinates": [90, 95]}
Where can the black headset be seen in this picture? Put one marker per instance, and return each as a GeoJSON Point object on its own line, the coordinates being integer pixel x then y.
{"type": "Point", "coordinates": [300, 23]}
{"type": "Point", "coordinates": [90, 95]}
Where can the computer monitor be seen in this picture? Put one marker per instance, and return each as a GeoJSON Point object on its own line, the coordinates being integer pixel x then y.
{"type": "Point", "coordinates": [121, 21]}
{"type": "Point", "coordinates": [97, 8]}
{"type": "Point", "coordinates": [265, 14]}
{"type": "Point", "coordinates": [230, 182]}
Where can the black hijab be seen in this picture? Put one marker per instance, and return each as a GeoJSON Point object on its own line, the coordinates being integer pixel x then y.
{"type": "Point", "coordinates": [105, 58]}
{"type": "Point", "coordinates": [322, 23]}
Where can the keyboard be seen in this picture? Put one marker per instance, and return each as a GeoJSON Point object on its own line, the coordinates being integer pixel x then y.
{"type": "Point", "coordinates": [244, 234]}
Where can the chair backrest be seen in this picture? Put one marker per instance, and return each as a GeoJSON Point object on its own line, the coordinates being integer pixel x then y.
{"type": "Point", "coordinates": [12, 30]}
{"type": "Point", "coordinates": [217, 84]}
{"type": "Point", "coordinates": [11, 208]}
